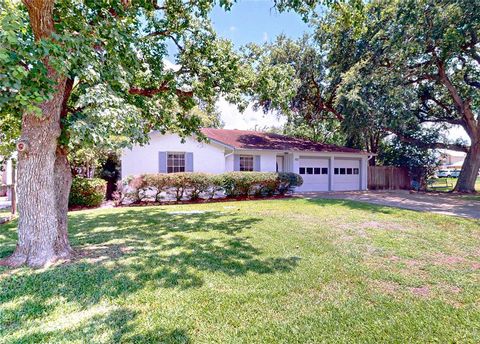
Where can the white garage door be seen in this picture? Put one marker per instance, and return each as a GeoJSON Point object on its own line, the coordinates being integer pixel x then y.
{"type": "Point", "coordinates": [346, 175]}
{"type": "Point", "coordinates": [314, 172]}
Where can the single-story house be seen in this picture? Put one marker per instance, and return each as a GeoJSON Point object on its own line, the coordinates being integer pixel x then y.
{"type": "Point", "coordinates": [451, 159]}
{"type": "Point", "coordinates": [323, 167]}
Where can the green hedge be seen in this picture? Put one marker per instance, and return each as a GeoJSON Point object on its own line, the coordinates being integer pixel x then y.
{"type": "Point", "coordinates": [87, 192]}
{"type": "Point", "coordinates": [193, 185]}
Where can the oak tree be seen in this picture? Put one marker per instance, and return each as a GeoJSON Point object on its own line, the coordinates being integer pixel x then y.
{"type": "Point", "coordinates": [77, 73]}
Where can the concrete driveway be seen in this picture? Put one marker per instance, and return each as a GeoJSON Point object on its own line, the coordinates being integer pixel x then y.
{"type": "Point", "coordinates": [436, 203]}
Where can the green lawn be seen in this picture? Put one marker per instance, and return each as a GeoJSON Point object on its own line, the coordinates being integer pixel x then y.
{"type": "Point", "coordinates": [5, 212]}
{"type": "Point", "coordinates": [283, 271]}
{"type": "Point", "coordinates": [447, 184]}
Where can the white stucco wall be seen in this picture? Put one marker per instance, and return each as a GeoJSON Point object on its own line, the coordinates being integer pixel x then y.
{"type": "Point", "coordinates": [207, 157]}
{"type": "Point", "coordinates": [268, 159]}
{"type": "Point", "coordinates": [229, 163]}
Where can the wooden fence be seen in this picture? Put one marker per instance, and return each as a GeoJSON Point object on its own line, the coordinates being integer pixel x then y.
{"type": "Point", "coordinates": [388, 178]}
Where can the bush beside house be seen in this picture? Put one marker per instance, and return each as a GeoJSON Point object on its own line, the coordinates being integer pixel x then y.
{"type": "Point", "coordinates": [193, 186]}
{"type": "Point", "coordinates": [87, 192]}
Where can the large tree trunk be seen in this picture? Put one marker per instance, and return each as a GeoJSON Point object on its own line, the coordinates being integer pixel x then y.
{"type": "Point", "coordinates": [37, 194]}
{"type": "Point", "coordinates": [43, 173]}
{"type": "Point", "coordinates": [471, 165]}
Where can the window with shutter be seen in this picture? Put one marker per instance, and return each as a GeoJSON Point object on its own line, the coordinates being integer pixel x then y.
{"type": "Point", "coordinates": [175, 162]}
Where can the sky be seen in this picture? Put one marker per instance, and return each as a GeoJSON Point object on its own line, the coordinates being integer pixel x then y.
{"type": "Point", "coordinates": [253, 21]}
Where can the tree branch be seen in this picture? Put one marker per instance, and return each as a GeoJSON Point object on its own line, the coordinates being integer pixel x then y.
{"type": "Point", "coordinates": [150, 92]}
{"type": "Point", "coordinates": [433, 145]}
{"type": "Point", "coordinates": [66, 95]}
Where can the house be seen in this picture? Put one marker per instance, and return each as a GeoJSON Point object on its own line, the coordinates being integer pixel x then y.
{"type": "Point", "coordinates": [323, 167]}
{"type": "Point", "coordinates": [6, 178]}
{"type": "Point", "coordinates": [451, 159]}
{"type": "Point", "coordinates": [3, 180]}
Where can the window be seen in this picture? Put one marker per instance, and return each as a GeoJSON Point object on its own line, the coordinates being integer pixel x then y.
{"type": "Point", "coordinates": [246, 163]}
{"type": "Point", "coordinates": [176, 162]}
{"type": "Point", "coordinates": [335, 171]}
{"type": "Point", "coordinates": [313, 170]}
{"type": "Point", "coordinates": [355, 171]}
{"type": "Point", "coordinates": [342, 170]}
{"type": "Point", "coordinates": [349, 171]}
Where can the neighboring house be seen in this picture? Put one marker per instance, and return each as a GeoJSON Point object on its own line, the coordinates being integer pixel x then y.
{"type": "Point", "coordinates": [323, 167]}
{"type": "Point", "coordinates": [6, 179]}
{"type": "Point", "coordinates": [3, 180]}
{"type": "Point", "coordinates": [451, 159]}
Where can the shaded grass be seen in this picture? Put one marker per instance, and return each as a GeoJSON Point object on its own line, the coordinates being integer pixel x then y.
{"type": "Point", "coordinates": [264, 271]}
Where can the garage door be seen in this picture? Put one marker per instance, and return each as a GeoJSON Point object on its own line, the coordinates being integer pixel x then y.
{"type": "Point", "coordinates": [314, 172]}
{"type": "Point", "coordinates": [346, 175]}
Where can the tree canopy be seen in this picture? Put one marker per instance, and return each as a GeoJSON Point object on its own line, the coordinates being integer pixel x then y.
{"type": "Point", "coordinates": [95, 73]}
{"type": "Point", "coordinates": [409, 68]}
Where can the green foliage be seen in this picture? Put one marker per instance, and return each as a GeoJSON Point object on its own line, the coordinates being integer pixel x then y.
{"type": "Point", "coordinates": [195, 185]}
{"type": "Point", "coordinates": [245, 183]}
{"type": "Point", "coordinates": [87, 192]}
{"type": "Point", "coordinates": [178, 182]}
{"type": "Point", "coordinates": [420, 162]}
{"type": "Point", "coordinates": [288, 181]}
{"type": "Point", "coordinates": [114, 56]}
{"type": "Point", "coordinates": [411, 67]}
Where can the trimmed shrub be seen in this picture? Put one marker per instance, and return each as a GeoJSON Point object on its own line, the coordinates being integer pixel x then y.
{"type": "Point", "coordinates": [157, 183]}
{"type": "Point", "coordinates": [87, 192]}
{"type": "Point", "coordinates": [215, 186]}
{"type": "Point", "coordinates": [197, 183]}
{"type": "Point", "coordinates": [194, 185]}
{"type": "Point", "coordinates": [288, 182]}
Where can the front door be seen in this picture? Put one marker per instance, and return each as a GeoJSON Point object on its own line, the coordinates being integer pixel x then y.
{"type": "Point", "coordinates": [280, 163]}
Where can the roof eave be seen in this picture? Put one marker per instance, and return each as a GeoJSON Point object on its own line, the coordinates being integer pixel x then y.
{"type": "Point", "coordinates": [300, 150]}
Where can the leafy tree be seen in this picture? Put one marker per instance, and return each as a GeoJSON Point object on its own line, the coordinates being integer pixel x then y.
{"type": "Point", "coordinates": [420, 162]}
{"type": "Point", "coordinates": [76, 73]}
{"type": "Point", "coordinates": [310, 110]}
{"type": "Point", "coordinates": [427, 51]}
{"type": "Point", "coordinates": [327, 106]}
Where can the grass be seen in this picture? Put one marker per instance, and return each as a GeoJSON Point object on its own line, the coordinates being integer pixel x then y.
{"type": "Point", "coordinates": [283, 271]}
{"type": "Point", "coordinates": [447, 184]}
{"type": "Point", "coordinates": [5, 212]}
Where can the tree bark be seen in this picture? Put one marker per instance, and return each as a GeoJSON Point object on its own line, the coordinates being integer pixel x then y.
{"type": "Point", "coordinates": [63, 183]}
{"type": "Point", "coordinates": [38, 224]}
{"type": "Point", "coordinates": [469, 173]}
{"type": "Point", "coordinates": [42, 225]}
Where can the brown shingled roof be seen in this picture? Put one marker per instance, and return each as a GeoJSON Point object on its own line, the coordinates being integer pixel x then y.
{"type": "Point", "coordinates": [247, 139]}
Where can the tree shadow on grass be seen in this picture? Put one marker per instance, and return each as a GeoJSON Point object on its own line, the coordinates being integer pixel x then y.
{"type": "Point", "coordinates": [123, 252]}
{"type": "Point", "coordinates": [102, 325]}
{"type": "Point", "coordinates": [354, 205]}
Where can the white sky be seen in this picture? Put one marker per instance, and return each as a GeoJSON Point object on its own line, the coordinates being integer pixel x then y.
{"type": "Point", "coordinates": [249, 119]}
